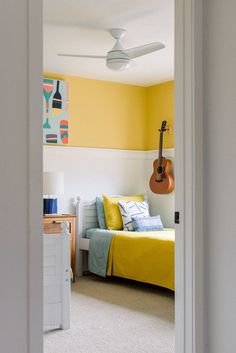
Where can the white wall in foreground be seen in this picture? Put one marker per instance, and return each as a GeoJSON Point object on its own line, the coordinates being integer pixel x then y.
{"type": "Point", "coordinates": [219, 173]}
{"type": "Point", "coordinates": [21, 279]}
{"type": "Point", "coordinates": [90, 172]}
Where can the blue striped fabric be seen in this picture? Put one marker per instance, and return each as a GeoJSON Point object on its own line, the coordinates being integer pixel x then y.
{"type": "Point", "coordinates": [129, 209]}
{"type": "Point", "coordinates": [147, 223]}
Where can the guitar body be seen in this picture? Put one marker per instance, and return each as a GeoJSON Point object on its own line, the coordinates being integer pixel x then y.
{"type": "Point", "coordinates": [162, 181]}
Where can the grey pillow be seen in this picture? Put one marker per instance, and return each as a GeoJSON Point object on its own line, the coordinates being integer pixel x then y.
{"type": "Point", "coordinates": [100, 213]}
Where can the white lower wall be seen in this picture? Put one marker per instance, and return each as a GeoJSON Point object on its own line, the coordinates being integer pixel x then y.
{"type": "Point", "coordinates": [91, 171]}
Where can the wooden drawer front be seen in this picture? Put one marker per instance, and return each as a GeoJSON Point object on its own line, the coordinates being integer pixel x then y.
{"type": "Point", "coordinates": [53, 227]}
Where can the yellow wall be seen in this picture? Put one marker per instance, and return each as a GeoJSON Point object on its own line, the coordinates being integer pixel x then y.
{"type": "Point", "coordinates": [160, 106]}
{"type": "Point", "coordinates": [104, 114]}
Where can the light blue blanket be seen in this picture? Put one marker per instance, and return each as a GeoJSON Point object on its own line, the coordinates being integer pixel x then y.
{"type": "Point", "coordinates": [99, 246]}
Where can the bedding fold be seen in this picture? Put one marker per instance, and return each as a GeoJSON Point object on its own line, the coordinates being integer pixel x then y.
{"type": "Point", "coordinates": [99, 246]}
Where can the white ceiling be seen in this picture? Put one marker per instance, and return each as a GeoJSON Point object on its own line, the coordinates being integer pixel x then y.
{"type": "Point", "coordinates": [82, 27]}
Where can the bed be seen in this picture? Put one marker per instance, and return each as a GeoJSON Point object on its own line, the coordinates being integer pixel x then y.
{"type": "Point", "coordinates": [141, 256]}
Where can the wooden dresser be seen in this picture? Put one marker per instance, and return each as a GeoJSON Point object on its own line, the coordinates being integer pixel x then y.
{"type": "Point", "coordinates": [52, 225]}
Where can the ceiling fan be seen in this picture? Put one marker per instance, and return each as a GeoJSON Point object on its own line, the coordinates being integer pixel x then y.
{"type": "Point", "coordinates": [118, 58]}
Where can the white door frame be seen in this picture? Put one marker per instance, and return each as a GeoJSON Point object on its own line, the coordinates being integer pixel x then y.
{"type": "Point", "coordinates": [188, 171]}
{"type": "Point", "coordinates": [35, 177]}
{"type": "Point", "coordinates": [188, 176]}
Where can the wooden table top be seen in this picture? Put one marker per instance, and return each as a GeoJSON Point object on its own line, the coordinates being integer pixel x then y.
{"type": "Point", "coordinates": [56, 215]}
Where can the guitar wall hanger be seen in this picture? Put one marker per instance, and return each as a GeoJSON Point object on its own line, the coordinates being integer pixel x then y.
{"type": "Point", "coordinates": [162, 180]}
{"type": "Point", "coordinates": [168, 130]}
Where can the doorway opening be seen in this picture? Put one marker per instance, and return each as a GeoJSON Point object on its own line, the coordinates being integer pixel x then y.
{"type": "Point", "coordinates": [103, 126]}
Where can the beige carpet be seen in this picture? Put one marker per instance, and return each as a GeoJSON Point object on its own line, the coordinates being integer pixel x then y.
{"type": "Point", "coordinates": [116, 316]}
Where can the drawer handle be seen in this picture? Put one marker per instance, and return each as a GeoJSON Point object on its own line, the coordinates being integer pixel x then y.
{"type": "Point", "coordinates": [56, 222]}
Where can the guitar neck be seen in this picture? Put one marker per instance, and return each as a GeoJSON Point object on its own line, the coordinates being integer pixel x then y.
{"type": "Point", "coordinates": [160, 149]}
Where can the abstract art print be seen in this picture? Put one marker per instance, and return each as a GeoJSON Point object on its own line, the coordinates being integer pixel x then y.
{"type": "Point", "coordinates": [55, 111]}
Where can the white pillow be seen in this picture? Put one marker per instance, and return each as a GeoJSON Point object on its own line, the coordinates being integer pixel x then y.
{"type": "Point", "coordinates": [129, 209]}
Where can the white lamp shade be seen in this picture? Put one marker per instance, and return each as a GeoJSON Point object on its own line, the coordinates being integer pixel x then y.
{"type": "Point", "coordinates": [53, 183]}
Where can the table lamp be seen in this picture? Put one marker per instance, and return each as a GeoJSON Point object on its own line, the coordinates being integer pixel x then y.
{"type": "Point", "coordinates": [53, 185]}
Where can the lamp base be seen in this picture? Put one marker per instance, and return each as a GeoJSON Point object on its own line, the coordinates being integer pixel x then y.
{"type": "Point", "coordinates": [49, 206]}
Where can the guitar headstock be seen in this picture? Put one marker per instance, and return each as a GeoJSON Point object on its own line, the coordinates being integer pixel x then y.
{"type": "Point", "coordinates": [163, 126]}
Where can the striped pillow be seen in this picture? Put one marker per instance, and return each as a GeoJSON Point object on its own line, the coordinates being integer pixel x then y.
{"type": "Point", "coordinates": [129, 209]}
{"type": "Point", "coordinates": [147, 224]}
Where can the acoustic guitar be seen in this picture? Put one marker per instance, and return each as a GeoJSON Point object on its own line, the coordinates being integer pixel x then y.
{"type": "Point", "coordinates": [162, 180]}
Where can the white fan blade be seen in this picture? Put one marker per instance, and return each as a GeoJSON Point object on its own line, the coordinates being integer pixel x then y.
{"type": "Point", "coordinates": [83, 56]}
{"type": "Point", "coordinates": [143, 49]}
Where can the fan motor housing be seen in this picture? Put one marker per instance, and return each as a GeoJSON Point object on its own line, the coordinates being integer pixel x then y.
{"type": "Point", "coordinates": [117, 60]}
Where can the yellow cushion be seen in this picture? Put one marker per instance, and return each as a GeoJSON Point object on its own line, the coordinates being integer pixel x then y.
{"type": "Point", "coordinates": [112, 212]}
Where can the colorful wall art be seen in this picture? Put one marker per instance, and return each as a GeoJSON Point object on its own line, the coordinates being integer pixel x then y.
{"type": "Point", "coordinates": [55, 111]}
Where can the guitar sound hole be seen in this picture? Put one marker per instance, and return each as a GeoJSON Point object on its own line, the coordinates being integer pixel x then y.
{"type": "Point", "coordinates": [159, 170]}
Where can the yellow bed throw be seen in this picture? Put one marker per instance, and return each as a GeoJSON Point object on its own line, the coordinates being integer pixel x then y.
{"type": "Point", "coordinates": [143, 256]}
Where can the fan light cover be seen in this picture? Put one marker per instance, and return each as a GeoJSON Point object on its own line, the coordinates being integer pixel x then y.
{"type": "Point", "coordinates": [118, 64]}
